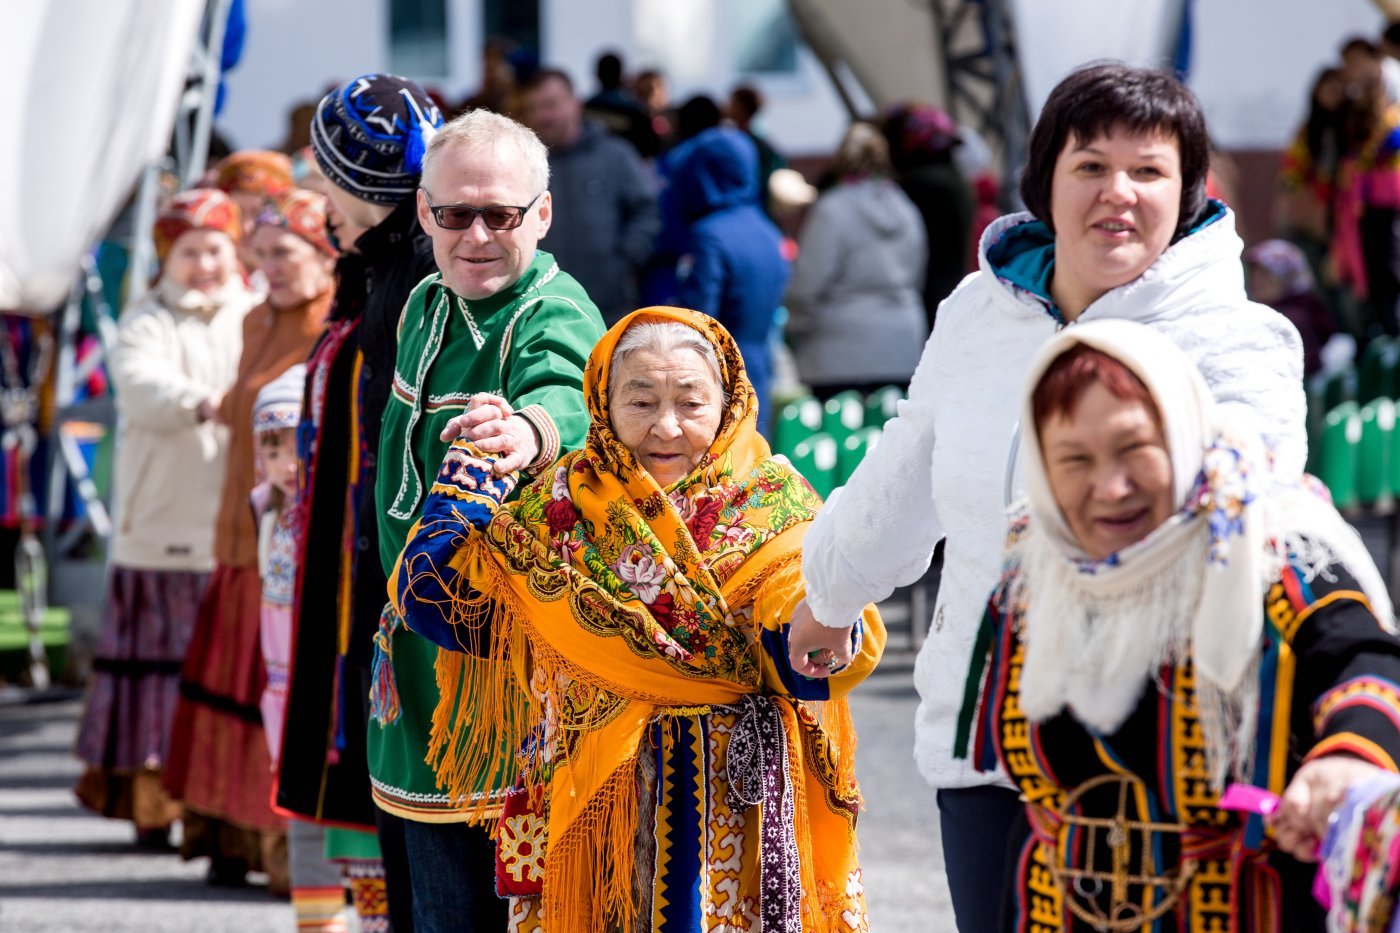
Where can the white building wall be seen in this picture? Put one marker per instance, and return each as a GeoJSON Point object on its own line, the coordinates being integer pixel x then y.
{"type": "Point", "coordinates": [295, 48]}
{"type": "Point", "coordinates": [574, 34]}
{"type": "Point", "coordinates": [293, 51]}
{"type": "Point", "coordinates": [1253, 64]}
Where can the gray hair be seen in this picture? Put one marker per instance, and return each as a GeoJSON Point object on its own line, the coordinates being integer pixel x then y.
{"type": "Point", "coordinates": [482, 129]}
{"type": "Point", "coordinates": [664, 338]}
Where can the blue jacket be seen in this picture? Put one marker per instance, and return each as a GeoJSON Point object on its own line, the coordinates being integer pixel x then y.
{"type": "Point", "coordinates": [735, 272]}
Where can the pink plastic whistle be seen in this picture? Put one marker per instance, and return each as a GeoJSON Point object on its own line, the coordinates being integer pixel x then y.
{"type": "Point", "coordinates": [1249, 799]}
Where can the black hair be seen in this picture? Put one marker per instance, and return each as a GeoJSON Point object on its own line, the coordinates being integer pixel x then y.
{"type": "Point", "coordinates": [746, 98]}
{"type": "Point", "coordinates": [609, 70]}
{"type": "Point", "coordinates": [1321, 122]}
{"type": "Point", "coordinates": [696, 115]}
{"type": "Point", "coordinates": [1361, 44]}
{"type": "Point", "coordinates": [1098, 99]}
{"type": "Point", "coordinates": [1392, 33]}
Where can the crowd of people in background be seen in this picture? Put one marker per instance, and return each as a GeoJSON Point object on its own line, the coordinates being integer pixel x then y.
{"type": "Point", "coordinates": [639, 187]}
{"type": "Point", "coordinates": [420, 303]}
{"type": "Point", "coordinates": [1339, 191]}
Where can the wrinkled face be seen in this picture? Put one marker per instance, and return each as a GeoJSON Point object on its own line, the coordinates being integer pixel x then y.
{"type": "Point", "coordinates": [1109, 469]}
{"type": "Point", "coordinates": [201, 259]}
{"type": "Point", "coordinates": [554, 113]}
{"type": "Point", "coordinates": [1114, 203]}
{"type": "Point", "coordinates": [295, 270]}
{"type": "Point", "coordinates": [666, 410]}
{"type": "Point", "coordinates": [277, 460]}
{"type": "Point", "coordinates": [478, 262]}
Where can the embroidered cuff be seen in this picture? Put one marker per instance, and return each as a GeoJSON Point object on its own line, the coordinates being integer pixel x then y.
{"type": "Point", "coordinates": [466, 476]}
{"type": "Point", "coordinates": [1349, 743]}
{"type": "Point", "coordinates": [1375, 694]}
{"type": "Point", "coordinates": [549, 437]}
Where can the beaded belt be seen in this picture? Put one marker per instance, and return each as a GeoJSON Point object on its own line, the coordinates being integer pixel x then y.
{"type": "Point", "coordinates": [758, 774]}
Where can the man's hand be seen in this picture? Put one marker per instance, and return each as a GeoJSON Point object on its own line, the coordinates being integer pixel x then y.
{"type": "Point", "coordinates": [815, 650]}
{"type": "Point", "coordinates": [1300, 822]}
{"type": "Point", "coordinates": [491, 423]}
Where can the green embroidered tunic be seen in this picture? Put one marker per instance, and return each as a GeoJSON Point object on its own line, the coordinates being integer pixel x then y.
{"type": "Point", "coordinates": [529, 344]}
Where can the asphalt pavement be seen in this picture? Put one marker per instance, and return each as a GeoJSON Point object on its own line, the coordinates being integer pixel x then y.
{"type": "Point", "coordinates": [65, 870]}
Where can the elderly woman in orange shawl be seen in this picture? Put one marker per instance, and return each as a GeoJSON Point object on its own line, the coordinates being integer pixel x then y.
{"type": "Point", "coordinates": [622, 623]}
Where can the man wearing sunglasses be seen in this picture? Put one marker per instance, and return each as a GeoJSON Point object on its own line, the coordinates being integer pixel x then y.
{"type": "Point", "coordinates": [499, 318]}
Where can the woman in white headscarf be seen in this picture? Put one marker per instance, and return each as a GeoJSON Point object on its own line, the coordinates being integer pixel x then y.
{"type": "Point", "coordinates": [1170, 622]}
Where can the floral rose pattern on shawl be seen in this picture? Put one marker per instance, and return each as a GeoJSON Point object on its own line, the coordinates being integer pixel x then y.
{"type": "Point", "coordinates": [629, 604]}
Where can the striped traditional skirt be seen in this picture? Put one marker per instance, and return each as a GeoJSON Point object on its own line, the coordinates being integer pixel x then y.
{"type": "Point", "coordinates": [219, 766]}
{"type": "Point", "coordinates": [124, 735]}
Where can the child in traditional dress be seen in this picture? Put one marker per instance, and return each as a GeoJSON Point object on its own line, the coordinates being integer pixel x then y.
{"type": "Point", "coordinates": [318, 896]}
{"type": "Point", "coordinates": [318, 892]}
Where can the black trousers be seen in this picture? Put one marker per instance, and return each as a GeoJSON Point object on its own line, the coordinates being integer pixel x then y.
{"type": "Point", "coordinates": [454, 879]}
{"type": "Point", "coordinates": [983, 829]}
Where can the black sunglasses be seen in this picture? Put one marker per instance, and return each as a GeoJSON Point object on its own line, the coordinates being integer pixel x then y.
{"type": "Point", "coordinates": [496, 217]}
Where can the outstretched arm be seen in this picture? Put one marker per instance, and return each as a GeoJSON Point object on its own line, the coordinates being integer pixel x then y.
{"type": "Point", "coordinates": [878, 531]}
{"type": "Point", "coordinates": [429, 586]}
{"type": "Point", "coordinates": [1346, 699]}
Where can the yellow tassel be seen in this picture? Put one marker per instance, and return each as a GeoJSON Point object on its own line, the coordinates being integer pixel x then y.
{"type": "Point", "coordinates": [588, 885]}
{"type": "Point", "coordinates": [483, 715]}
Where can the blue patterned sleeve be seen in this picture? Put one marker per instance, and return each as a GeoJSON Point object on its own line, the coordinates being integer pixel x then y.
{"type": "Point", "coordinates": [771, 611]}
{"type": "Point", "coordinates": [428, 584]}
{"type": "Point", "coordinates": [800, 686]}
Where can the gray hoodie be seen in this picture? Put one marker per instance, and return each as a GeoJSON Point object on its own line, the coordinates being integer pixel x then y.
{"type": "Point", "coordinates": [856, 309]}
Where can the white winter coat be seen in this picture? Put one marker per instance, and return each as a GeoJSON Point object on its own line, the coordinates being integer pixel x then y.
{"type": "Point", "coordinates": [940, 470]}
{"type": "Point", "coordinates": [174, 349]}
{"type": "Point", "coordinates": [855, 301]}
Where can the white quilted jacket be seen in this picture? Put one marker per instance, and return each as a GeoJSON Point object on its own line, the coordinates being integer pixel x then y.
{"type": "Point", "coordinates": [940, 470]}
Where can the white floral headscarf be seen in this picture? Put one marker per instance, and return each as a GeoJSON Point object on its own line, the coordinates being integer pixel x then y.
{"type": "Point", "coordinates": [1095, 629]}
{"type": "Point", "coordinates": [1214, 479]}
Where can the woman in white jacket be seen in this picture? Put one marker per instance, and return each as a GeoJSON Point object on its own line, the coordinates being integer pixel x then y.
{"type": "Point", "coordinates": [177, 353]}
{"type": "Point", "coordinates": [856, 311]}
{"type": "Point", "coordinates": [1119, 227]}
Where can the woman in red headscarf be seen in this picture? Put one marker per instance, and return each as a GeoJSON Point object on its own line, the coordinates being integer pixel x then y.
{"type": "Point", "coordinates": [219, 765]}
{"type": "Point", "coordinates": [177, 353]}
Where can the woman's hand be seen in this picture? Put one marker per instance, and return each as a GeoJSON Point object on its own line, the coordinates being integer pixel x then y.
{"type": "Point", "coordinates": [807, 636]}
{"type": "Point", "coordinates": [1300, 822]}
{"type": "Point", "coordinates": [490, 422]}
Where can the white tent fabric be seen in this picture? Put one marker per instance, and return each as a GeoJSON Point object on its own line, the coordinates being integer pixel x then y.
{"type": "Point", "coordinates": [1055, 38]}
{"type": "Point", "coordinates": [890, 46]}
{"type": "Point", "coordinates": [95, 87]}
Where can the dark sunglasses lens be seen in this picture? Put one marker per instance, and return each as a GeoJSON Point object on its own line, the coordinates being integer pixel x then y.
{"type": "Point", "coordinates": [455, 218]}
{"type": "Point", "coordinates": [502, 218]}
